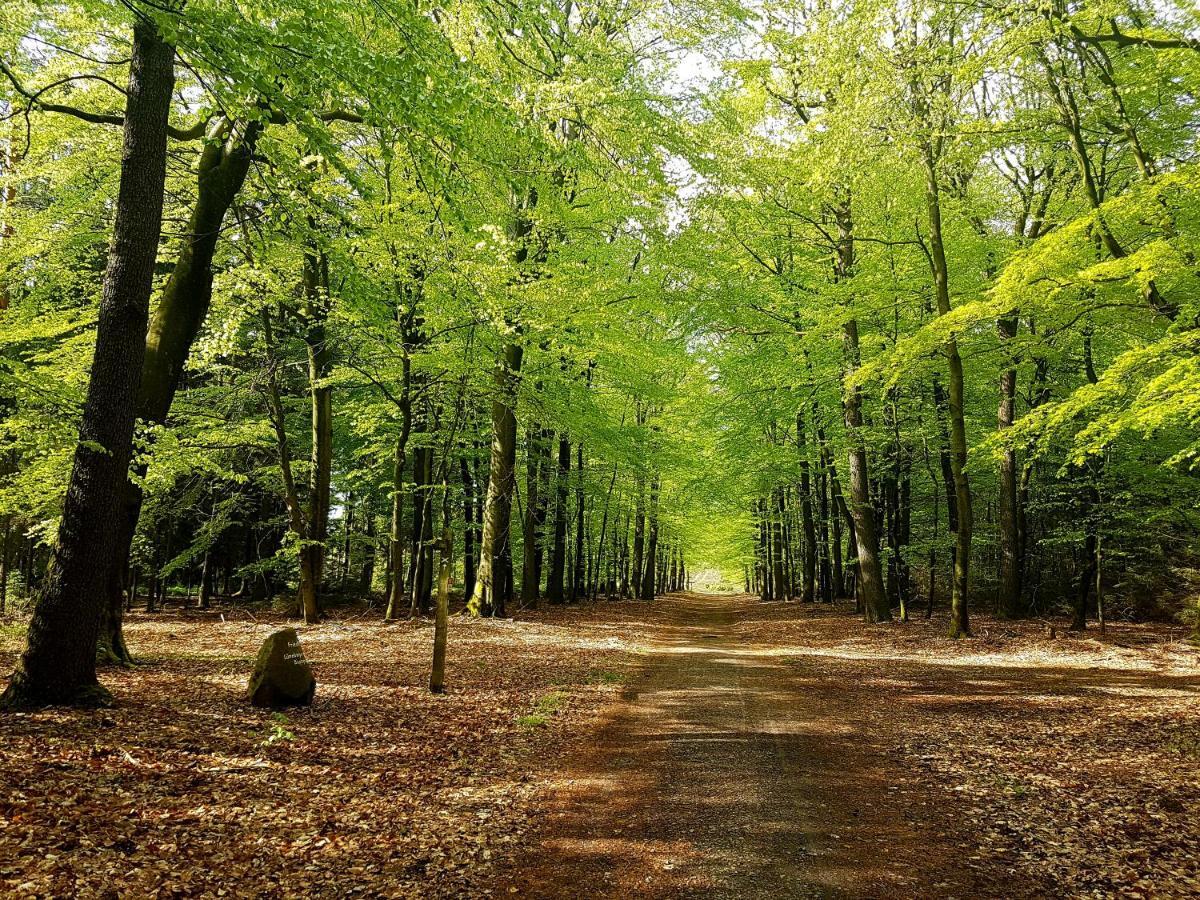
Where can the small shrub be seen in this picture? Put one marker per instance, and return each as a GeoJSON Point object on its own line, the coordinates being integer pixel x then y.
{"type": "Point", "coordinates": [277, 731]}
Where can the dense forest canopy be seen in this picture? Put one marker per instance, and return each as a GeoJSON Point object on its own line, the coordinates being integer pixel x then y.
{"type": "Point", "coordinates": [325, 300]}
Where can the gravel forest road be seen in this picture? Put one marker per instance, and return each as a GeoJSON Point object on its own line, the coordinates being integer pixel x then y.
{"type": "Point", "coordinates": [733, 770]}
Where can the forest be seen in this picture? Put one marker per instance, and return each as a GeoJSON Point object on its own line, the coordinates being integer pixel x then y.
{"type": "Point", "coordinates": [510, 353]}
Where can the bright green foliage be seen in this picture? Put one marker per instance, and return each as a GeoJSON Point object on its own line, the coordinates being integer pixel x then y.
{"type": "Point", "coordinates": [647, 199]}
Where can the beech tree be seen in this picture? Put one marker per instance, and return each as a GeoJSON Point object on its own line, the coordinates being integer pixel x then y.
{"type": "Point", "coordinates": [876, 303]}
{"type": "Point", "coordinates": [59, 662]}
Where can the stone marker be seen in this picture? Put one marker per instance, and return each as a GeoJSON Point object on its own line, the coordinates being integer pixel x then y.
{"type": "Point", "coordinates": [282, 676]}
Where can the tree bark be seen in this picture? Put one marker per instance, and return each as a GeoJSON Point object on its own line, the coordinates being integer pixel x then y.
{"type": "Point", "coordinates": [5, 559]}
{"type": "Point", "coordinates": [441, 623]}
{"type": "Point", "coordinates": [530, 581]}
{"type": "Point", "coordinates": [778, 575]}
{"type": "Point", "coordinates": [320, 366]}
{"type": "Point", "coordinates": [469, 489]}
{"type": "Point", "coordinates": [555, 587]}
{"type": "Point", "coordinates": [501, 481]}
{"type": "Point", "coordinates": [649, 588]}
{"type": "Point", "coordinates": [396, 534]}
{"type": "Point", "coordinates": [808, 592]}
{"type": "Point", "coordinates": [960, 625]}
{"type": "Point", "coordinates": [870, 585]}
{"type": "Point", "coordinates": [1009, 599]}
{"type": "Point", "coordinates": [174, 326]}
{"type": "Point", "coordinates": [59, 662]}
{"type": "Point", "coordinates": [577, 575]}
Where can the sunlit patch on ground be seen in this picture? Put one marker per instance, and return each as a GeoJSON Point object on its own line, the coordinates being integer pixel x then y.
{"type": "Point", "coordinates": [894, 760]}
{"type": "Point", "coordinates": [183, 787]}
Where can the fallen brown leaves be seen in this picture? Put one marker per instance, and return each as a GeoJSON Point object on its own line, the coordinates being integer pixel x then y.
{"type": "Point", "coordinates": [1023, 765]}
{"type": "Point", "coordinates": [1073, 759]}
{"type": "Point", "coordinates": [378, 789]}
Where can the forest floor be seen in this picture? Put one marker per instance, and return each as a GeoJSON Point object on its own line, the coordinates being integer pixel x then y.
{"type": "Point", "coordinates": [700, 746]}
{"type": "Point", "coordinates": [781, 750]}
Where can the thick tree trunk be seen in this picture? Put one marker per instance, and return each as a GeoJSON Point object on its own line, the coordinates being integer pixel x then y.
{"type": "Point", "coordinates": [501, 481]}
{"type": "Point", "coordinates": [870, 578]}
{"type": "Point", "coordinates": [173, 329]}
{"type": "Point", "coordinates": [59, 662]}
{"type": "Point", "coordinates": [204, 600]}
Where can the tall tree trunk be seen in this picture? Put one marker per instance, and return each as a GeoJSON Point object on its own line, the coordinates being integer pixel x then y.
{"type": "Point", "coordinates": [808, 593]}
{"type": "Point", "coordinates": [824, 565]}
{"type": "Point", "coordinates": [441, 622]}
{"type": "Point", "coordinates": [1092, 472]}
{"type": "Point", "coordinates": [601, 556]}
{"type": "Point", "coordinates": [174, 326]}
{"type": "Point", "coordinates": [578, 574]}
{"type": "Point", "coordinates": [960, 625]}
{"type": "Point", "coordinates": [424, 599]}
{"type": "Point", "coordinates": [530, 582]}
{"type": "Point", "coordinates": [204, 601]}
{"type": "Point", "coordinates": [347, 542]}
{"type": "Point", "coordinates": [5, 560]}
{"type": "Point", "coordinates": [649, 588]}
{"type": "Point", "coordinates": [777, 572]}
{"type": "Point", "coordinates": [497, 513]}
{"type": "Point", "coordinates": [763, 554]}
{"type": "Point", "coordinates": [1009, 599]}
{"type": "Point", "coordinates": [809, 586]}
{"type": "Point", "coordinates": [639, 534]}
{"type": "Point", "coordinates": [556, 586]}
{"type": "Point", "coordinates": [320, 366]}
{"type": "Point", "coordinates": [367, 574]}
{"type": "Point", "coordinates": [419, 538]}
{"type": "Point", "coordinates": [307, 597]}
{"type": "Point", "coordinates": [869, 583]}
{"type": "Point", "coordinates": [469, 489]}
{"type": "Point", "coordinates": [59, 662]}
{"type": "Point", "coordinates": [627, 587]}
{"type": "Point", "coordinates": [441, 625]}
{"type": "Point", "coordinates": [396, 534]}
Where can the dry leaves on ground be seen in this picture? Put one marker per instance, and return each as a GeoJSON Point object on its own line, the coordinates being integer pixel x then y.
{"type": "Point", "coordinates": [1074, 757]}
{"type": "Point", "coordinates": [379, 788]}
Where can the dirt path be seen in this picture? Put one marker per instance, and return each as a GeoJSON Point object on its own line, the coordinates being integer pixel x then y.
{"type": "Point", "coordinates": [734, 770]}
